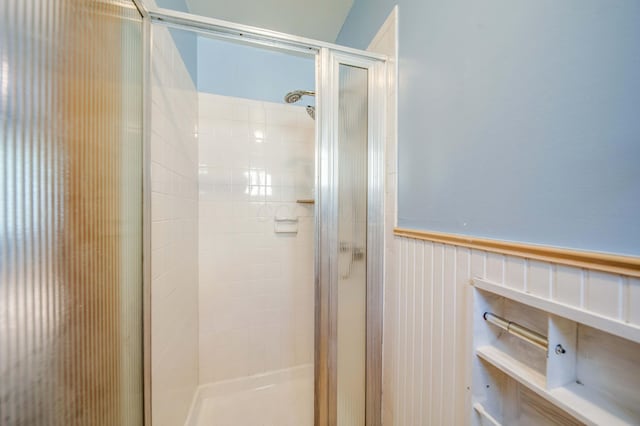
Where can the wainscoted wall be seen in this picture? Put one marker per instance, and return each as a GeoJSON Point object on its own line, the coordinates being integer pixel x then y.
{"type": "Point", "coordinates": [428, 324]}
{"type": "Point", "coordinates": [174, 239]}
{"type": "Point", "coordinates": [428, 299]}
{"type": "Point", "coordinates": [256, 286]}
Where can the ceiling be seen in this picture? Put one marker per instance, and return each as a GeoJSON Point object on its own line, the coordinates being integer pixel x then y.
{"type": "Point", "coordinates": [317, 19]}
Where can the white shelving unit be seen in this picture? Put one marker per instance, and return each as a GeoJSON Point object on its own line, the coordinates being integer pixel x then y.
{"type": "Point", "coordinates": [589, 374]}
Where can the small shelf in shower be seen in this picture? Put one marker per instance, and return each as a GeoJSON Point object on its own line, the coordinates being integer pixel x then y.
{"type": "Point", "coordinates": [305, 201]}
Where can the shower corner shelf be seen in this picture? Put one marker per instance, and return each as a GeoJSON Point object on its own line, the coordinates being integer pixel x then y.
{"type": "Point", "coordinates": [593, 377]}
{"type": "Point", "coordinates": [306, 201]}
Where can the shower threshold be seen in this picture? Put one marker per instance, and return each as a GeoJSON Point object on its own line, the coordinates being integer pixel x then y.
{"type": "Point", "coordinates": [278, 398]}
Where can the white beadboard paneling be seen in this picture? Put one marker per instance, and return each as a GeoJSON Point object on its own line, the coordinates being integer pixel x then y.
{"type": "Point", "coordinates": [602, 293]}
{"type": "Point", "coordinates": [515, 273]}
{"type": "Point", "coordinates": [426, 319]}
{"type": "Point", "coordinates": [419, 327]}
{"type": "Point", "coordinates": [463, 362]}
{"type": "Point", "coordinates": [401, 331]}
{"type": "Point", "coordinates": [633, 301]}
{"type": "Point", "coordinates": [450, 324]}
{"type": "Point", "coordinates": [437, 346]}
{"type": "Point", "coordinates": [478, 263]}
{"type": "Point", "coordinates": [412, 327]}
{"type": "Point", "coordinates": [429, 334]}
{"type": "Point", "coordinates": [428, 356]}
{"type": "Point", "coordinates": [568, 285]}
{"type": "Point", "coordinates": [538, 278]}
{"type": "Point", "coordinates": [495, 268]}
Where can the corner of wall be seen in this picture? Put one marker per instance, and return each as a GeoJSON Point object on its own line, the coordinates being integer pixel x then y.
{"type": "Point", "coordinates": [385, 42]}
{"type": "Point", "coordinates": [363, 21]}
{"type": "Point", "coordinates": [174, 193]}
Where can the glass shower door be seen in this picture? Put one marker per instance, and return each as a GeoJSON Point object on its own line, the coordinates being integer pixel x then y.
{"type": "Point", "coordinates": [70, 213]}
{"type": "Point", "coordinates": [352, 244]}
{"type": "Point", "coordinates": [350, 228]}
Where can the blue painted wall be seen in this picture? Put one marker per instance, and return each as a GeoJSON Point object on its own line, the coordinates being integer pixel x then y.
{"type": "Point", "coordinates": [517, 120]}
{"type": "Point", "coordinates": [364, 21]}
{"type": "Point", "coordinates": [232, 69]}
{"type": "Point", "coordinates": [186, 41]}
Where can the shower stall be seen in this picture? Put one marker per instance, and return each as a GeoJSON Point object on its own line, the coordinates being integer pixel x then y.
{"type": "Point", "coordinates": [176, 254]}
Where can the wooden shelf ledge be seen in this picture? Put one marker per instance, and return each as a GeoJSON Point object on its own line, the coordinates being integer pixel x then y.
{"type": "Point", "coordinates": [579, 401]}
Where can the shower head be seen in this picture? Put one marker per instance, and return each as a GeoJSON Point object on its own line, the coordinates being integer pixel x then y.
{"type": "Point", "coordinates": [311, 111]}
{"type": "Point", "coordinates": [296, 95]}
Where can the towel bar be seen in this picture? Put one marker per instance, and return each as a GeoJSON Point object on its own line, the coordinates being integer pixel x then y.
{"type": "Point", "coordinates": [517, 330]}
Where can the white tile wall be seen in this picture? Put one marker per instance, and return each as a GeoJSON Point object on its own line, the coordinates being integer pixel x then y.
{"type": "Point", "coordinates": [256, 287]}
{"type": "Point", "coordinates": [174, 214]}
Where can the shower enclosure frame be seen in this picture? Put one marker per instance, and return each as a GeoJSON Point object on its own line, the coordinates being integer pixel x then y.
{"type": "Point", "coordinates": [328, 58]}
{"type": "Point", "coordinates": [327, 242]}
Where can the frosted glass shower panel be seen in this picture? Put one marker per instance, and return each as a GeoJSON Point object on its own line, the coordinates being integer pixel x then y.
{"type": "Point", "coordinates": [352, 232]}
{"type": "Point", "coordinates": [70, 213]}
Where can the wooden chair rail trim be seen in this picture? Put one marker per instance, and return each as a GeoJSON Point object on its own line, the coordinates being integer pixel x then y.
{"type": "Point", "coordinates": [616, 264]}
